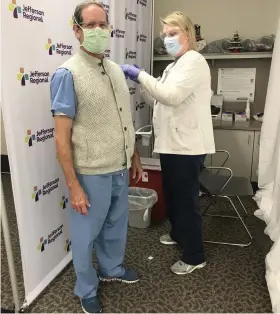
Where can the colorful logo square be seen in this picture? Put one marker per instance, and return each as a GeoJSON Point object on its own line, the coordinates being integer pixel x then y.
{"type": "Point", "coordinates": [50, 47]}
{"type": "Point", "coordinates": [67, 245]}
{"type": "Point", "coordinates": [42, 244]}
{"type": "Point", "coordinates": [36, 194]}
{"type": "Point", "coordinates": [126, 53]}
{"type": "Point", "coordinates": [112, 30]}
{"type": "Point", "coordinates": [16, 10]}
{"type": "Point", "coordinates": [22, 76]}
{"type": "Point", "coordinates": [29, 138]}
{"type": "Point", "coordinates": [71, 22]}
{"type": "Point", "coordinates": [64, 202]}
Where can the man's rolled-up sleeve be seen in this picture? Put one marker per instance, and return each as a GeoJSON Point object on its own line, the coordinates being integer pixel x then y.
{"type": "Point", "coordinates": [63, 97]}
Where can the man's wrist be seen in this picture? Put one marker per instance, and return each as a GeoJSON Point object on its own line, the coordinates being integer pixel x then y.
{"type": "Point", "coordinates": [135, 154]}
{"type": "Point", "coordinates": [135, 151]}
{"type": "Point", "coordinates": [72, 183]}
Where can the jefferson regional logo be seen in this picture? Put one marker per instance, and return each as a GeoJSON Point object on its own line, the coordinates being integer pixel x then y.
{"type": "Point", "coordinates": [59, 48]}
{"type": "Point", "coordinates": [129, 54]}
{"type": "Point", "coordinates": [51, 238]}
{"type": "Point", "coordinates": [132, 90]}
{"type": "Point", "coordinates": [141, 37]}
{"type": "Point", "coordinates": [107, 53]}
{"type": "Point", "coordinates": [106, 7]}
{"type": "Point", "coordinates": [140, 105]}
{"type": "Point", "coordinates": [45, 190]}
{"type": "Point", "coordinates": [63, 202]}
{"type": "Point", "coordinates": [27, 12]}
{"type": "Point", "coordinates": [33, 77]}
{"type": "Point", "coordinates": [39, 136]}
{"type": "Point", "coordinates": [117, 33]}
{"type": "Point", "coordinates": [130, 15]}
{"type": "Point", "coordinates": [142, 2]}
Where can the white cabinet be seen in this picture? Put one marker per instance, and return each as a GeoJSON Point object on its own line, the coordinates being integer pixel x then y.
{"type": "Point", "coordinates": [240, 145]}
{"type": "Point", "coordinates": [256, 152]}
{"type": "Point", "coordinates": [243, 146]}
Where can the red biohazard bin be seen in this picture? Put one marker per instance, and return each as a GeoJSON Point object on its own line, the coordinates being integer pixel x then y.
{"type": "Point", "coordinates": [151, 179]}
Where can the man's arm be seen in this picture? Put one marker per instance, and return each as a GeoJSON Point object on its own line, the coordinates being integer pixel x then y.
{"type": "Point", "coordinates": [63, 131]}
{"type": "Point", "coordinates": [136, 166]}
{"type": "Point", "coordinates": [64, 101]}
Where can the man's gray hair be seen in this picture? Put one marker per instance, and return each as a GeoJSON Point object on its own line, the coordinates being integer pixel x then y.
{"type": "Point", "coordinates": [78, 19]}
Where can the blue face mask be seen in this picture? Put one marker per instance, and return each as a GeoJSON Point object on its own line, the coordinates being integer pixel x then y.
{"type": "Point", "coordinates": [172, 45]}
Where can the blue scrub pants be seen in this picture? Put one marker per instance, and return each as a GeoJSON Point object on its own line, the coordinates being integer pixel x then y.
{"type": "Point", "coordinates": [104, 228]}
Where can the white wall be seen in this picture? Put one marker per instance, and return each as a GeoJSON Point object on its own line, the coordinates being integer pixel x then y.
{"type": "Point", "coordinates": [221, 18]}
{"type": "Point", "coordinates": [3, 139]}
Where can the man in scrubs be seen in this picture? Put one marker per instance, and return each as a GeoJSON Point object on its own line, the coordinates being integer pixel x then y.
{"type": "Point", "coordinates": [95, 143]}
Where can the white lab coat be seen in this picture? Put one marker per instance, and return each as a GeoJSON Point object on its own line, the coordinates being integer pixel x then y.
{"type": "Point", "coordinates": [182, 111]}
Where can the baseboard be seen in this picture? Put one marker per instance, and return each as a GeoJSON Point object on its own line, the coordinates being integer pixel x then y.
{"type": "Point", "coordinates": [6, 311]}
{"type": "Point", "coordinates": [5, 166]}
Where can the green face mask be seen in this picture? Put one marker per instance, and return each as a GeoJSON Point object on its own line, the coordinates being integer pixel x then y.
{"type": "Point", "coordinates": [95, 40]}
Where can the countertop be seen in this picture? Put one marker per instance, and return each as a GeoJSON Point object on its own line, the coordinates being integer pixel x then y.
{"type": "Point", "coordinates": [251, 125]}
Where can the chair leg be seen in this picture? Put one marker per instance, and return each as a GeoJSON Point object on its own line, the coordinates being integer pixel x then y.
{"type": "Point", "coordinates": [245, 210]}
{"type": "Point", "coordinates": [244, 225]}
{"type": "Point", "coordinates": [216, 201]}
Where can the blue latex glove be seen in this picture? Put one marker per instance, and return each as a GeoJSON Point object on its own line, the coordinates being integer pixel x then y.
{"type": "Point", "coordinates": [131, 71]}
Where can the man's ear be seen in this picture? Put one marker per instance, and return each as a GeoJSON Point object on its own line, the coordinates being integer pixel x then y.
{"type": "Point", "coordinates": [76, 29]}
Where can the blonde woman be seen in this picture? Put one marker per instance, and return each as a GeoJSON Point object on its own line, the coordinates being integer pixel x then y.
{"type": "Point", "coordinates": [183, 134]}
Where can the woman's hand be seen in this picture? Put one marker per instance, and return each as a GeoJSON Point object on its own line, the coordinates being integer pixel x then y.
{"type": "Point", "coordinates": [131, 71]}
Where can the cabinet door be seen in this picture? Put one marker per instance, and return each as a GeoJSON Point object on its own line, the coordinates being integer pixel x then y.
{"type": "Point", "coordinates": [256, 152]}
{"type": "Point", "coordinates": [240, 146]}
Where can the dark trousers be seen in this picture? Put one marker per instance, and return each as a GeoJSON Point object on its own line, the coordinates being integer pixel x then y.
{"type": "Point", "coordinates": [180, 175]}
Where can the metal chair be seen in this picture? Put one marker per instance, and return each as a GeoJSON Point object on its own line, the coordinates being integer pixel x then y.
{"type": "Point", "coordinates": [218, 186]}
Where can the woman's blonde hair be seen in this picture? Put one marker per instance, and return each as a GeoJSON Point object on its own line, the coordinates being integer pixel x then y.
{"type": "Point", "coordinates": [182, 21]}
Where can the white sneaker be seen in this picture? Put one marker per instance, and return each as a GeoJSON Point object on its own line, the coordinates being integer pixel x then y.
{"type": "Point", "coordinates": [166, 239]}
{"type": "Point", "coordinates": [181, 268]}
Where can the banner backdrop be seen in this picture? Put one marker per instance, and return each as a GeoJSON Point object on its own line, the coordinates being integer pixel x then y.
{"type": "Point", "coordinates": [37, 37]}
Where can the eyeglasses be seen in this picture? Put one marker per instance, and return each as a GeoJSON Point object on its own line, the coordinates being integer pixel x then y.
{"type": "Point", "coordinates": [176, 31]}
{"type": "Point", "coordinates": [91, 25]}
